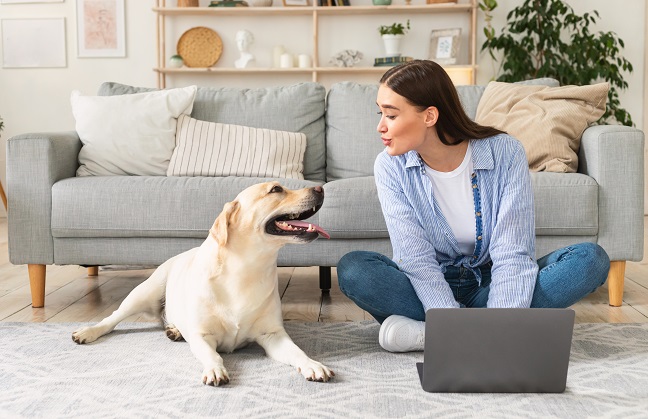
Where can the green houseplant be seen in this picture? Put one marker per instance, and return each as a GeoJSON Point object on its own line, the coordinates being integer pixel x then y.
{"type": "Point", "coordinates": [394, 28]}
{"type": "Point", "coordinates": [545, 38]}
{"type": "Point", "coordinates": [392, 35]}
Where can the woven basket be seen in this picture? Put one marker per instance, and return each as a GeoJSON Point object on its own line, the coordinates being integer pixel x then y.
{"type": "Point", "coordinates": [200, 47]}
{"type": "Point", "coordinates": [187, 3]}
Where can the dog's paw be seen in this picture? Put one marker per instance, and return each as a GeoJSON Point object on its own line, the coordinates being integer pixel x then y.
{"type": "Point", "coordinates": [215, 376]}
{"type": "Point", "coordinates": [86, 335]}
{"type": "Point", "coordinates": [314, 371]}
{"type": "Point", "coordinates": [173, 333]}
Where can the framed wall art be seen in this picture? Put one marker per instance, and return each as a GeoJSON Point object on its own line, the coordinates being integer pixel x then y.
{"type": "Point", "coordinates": [33, 43]}
{"type": "Point", "coordinates": [101, 28]}
{"type": "Point", "coordinates": [29, 1]}
{"type": "Point", "coordinates": [444, 45]}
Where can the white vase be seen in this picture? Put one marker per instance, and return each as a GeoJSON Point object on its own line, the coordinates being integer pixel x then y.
{"type": "Point", "coordinates": [392, 45]}
{"type": "Point", "coordinates": [260, 3]}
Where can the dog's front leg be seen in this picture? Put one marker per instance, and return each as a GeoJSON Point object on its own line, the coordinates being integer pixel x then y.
{"type": "Point", "coordinates": [280, 347]}
{"type": "Point", "coordinates": [204, 348]}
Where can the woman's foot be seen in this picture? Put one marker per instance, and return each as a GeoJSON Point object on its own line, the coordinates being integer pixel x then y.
{"type": "Point", "coordinates": [401, 334]}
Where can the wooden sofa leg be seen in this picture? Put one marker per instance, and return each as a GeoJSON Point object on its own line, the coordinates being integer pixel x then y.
{"type": "Point", "coordinates": [325, 278]}
{"type": "Point", "coordinates": [37, 284]}
{"type": "Point", "coordinates": [93, 270]}
{"type": "Point", "coordinates": [615, 282]}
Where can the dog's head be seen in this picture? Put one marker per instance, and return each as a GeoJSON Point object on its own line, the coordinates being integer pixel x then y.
{"type": "Point", "coordinates": [272, 213]}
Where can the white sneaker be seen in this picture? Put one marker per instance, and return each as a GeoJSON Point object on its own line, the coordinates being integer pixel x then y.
{"type": "Point", "coordinates": [401, 334]}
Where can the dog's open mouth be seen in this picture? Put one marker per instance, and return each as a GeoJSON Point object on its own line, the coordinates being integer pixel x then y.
{"type": "Point", "coordinates": [292, 224]}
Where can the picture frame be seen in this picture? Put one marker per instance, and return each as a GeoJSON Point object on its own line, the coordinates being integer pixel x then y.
{"type": "Point", "coordinates": [444, 45]}
{"type": "Point", "coordinates": [33, 43]}
{"type": "Point", "coordinates": [101, 29]}
{"type": "Point", "coordinates": [290, 3]}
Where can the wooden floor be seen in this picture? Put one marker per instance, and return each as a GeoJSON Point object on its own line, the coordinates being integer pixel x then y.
{"type": "Point", "coordinates": [72, 296]}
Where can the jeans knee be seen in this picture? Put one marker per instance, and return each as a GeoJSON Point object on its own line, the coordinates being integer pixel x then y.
{"type": "Point", "coordinates": [348, 267]}
{"type": "Point", "coordinates": [597, 256]}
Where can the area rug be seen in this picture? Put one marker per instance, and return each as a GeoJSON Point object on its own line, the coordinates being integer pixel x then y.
{"type": "Point", "coordinates": [137, 372]}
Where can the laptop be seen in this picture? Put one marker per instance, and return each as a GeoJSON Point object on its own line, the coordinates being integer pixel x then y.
{"type": "Point", "coordinates": [496, 350]}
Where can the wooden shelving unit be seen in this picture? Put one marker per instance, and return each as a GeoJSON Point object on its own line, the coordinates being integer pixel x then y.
{"type": "Point", "coordinates": [462, 72]}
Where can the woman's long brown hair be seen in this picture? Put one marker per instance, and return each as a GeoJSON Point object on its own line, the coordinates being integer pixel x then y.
{"type": "Point", "coordinates": [425, 83]}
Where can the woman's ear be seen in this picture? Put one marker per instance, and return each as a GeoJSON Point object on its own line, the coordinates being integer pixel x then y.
{"type": "Point", "coordinates": [431, 116]}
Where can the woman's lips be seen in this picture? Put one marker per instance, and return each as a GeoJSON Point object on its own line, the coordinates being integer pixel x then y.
{"type": "Point", "coordinates": [386, 142]}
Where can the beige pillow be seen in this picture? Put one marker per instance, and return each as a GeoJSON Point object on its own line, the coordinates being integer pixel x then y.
{"type": "Point", "coordinates": [214, 149]}
{"type": "Point", "coordinates": [548, 121]}
{"type": "Point", "coordinates": [129, 134]}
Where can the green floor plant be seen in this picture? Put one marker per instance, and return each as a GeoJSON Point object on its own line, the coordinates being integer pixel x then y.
{"type": "Point", "coordinates": [546, 38]}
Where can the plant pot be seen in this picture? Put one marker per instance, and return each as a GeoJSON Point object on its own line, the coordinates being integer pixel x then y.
{"type": "Point", "coordinates": [260, 3]}
{"type": "Point", "coordinates": [382, 2]}
{"type": "Point", "coordinates": [392, 45]}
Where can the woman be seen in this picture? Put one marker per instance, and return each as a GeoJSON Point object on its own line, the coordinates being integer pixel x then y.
{"type": "Point", "coordinates": [458, 204]}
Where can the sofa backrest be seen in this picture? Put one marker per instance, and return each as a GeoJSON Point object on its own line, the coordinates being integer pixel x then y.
{"type": "Point", "coordinates": [296, 108]}
{"type": "Point", "coordinates": [352, 141]}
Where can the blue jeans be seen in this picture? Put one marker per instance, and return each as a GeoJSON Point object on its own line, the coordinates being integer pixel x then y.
{"type": "Point", "coordinates": [376, 285]}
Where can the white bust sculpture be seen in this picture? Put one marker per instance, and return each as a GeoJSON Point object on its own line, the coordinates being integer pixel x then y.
{"type": "Point", "coordinates": [244, 39]}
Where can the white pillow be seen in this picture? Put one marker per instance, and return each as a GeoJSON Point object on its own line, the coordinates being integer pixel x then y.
{"type": "Point", "coordinates": [131, 134]}
{"type": "Point", "coordinates": [215, 149]}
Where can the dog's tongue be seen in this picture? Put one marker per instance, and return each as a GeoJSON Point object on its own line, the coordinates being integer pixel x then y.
{"type": "Point", "coordinates": [307, 225]}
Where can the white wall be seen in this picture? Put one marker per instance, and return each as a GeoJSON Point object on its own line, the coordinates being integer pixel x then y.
{"type": "Point", "coordinates": [37, 100]}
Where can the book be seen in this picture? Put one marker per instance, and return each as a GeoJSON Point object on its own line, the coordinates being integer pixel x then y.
{"type": "Point", "coordinates": [389, 61]}
{"type": "Point", "coordinates": [228, 3]}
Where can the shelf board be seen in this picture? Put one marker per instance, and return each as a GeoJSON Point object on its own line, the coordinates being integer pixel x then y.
{"type": "Point", "coordinates": [307, 10]}
{"type": "Point", "coordinates": [232, 70]}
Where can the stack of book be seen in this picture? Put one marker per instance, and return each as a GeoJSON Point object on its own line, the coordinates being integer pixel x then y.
{"type": "Point", "coordinates": [228, 3]}
{"type": "Point", "coordinates": [390, 61]}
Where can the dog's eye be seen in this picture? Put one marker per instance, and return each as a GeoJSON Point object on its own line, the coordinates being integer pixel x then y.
{"type": "Point", "coordinates": [276, 189]}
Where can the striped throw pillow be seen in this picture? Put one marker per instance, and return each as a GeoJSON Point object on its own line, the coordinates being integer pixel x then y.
{"type": "Point", "coordinates": [215, 149]}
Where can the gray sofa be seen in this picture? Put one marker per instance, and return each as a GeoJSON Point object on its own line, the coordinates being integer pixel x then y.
{"type": "Point", "coordinates": [57, 218]}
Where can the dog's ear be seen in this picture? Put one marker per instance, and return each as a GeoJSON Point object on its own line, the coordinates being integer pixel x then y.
{"type": "Point", "coordinates": [220, 229]}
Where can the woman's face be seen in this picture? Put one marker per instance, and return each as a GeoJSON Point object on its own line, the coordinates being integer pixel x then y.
{"type": "Point", "coordinates": [402, 127]}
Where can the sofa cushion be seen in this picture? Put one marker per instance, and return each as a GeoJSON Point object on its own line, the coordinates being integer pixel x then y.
{"type": "Point", "coordinates": [352, 142]}
{"type": "Point", "coordinates": [213, 149]}
{"type": "Point", "coordinates": [129, 135]}
{"type": "Point", "coordinates": [296, 108]}
{"type": "Point", "coordinates": [351, 209]}
{"type": "Point", "coordinates": [548, 121]}
{"type": "Point", "coordinates": [566, 204]}
{"type": "Point", "coordinates": [146, 206]}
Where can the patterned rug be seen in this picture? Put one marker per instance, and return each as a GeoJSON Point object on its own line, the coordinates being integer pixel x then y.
{"type": "Point", "coordinates": [137, 372]}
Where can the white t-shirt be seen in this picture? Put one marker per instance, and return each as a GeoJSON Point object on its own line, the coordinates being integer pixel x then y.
{"type": "Point", "coordinates": [453, 193]}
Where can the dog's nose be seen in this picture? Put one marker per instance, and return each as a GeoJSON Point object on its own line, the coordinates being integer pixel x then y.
{"type": "Point", "coordinates": [318, 189]}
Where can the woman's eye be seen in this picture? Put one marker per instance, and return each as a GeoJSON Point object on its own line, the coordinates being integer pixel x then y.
{"type": "Point", "coordinates": [392, 117]}
{"type": "Point", "coordinates": [276, 189]}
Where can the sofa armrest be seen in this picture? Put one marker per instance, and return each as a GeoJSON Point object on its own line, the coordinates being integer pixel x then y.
{"type": "Point", "coordinates": [34, 163]}
{"type": "Point", "coordinates": [614, 156]}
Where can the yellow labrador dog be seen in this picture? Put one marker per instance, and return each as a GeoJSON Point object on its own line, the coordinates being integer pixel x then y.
{"type": "Point", "coordinates": [224, 294]}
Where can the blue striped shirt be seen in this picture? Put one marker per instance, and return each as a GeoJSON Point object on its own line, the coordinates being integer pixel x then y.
{"type": "Point", "coordinates": [423, 242]}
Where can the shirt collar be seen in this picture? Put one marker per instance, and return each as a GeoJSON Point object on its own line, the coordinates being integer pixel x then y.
{"type": "Point", "coordinates": [482, 155]}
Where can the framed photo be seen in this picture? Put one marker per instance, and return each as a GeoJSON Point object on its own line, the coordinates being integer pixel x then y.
{"type": "Point", "coordinates": [33, 43]}
{"type": "Point", "coordinates": [101, 28]}
{"type": "Point", "coordinates": [288, 3]}
{"type": "Point", "coordinates": [444, 45]}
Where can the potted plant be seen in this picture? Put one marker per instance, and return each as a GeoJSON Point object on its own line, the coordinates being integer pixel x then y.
{"type": "Point", "coordinates": [545, 38]}
{"type": "Point", "coordinates": [392, 35]}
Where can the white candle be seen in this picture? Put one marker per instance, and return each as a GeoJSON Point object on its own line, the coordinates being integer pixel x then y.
{"type": "Point", "coordinates": [286, 60]}
{"type": "Point", "coordinates": [304, 61]}
{"type": "Point", "coordinates": [276, 55]}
